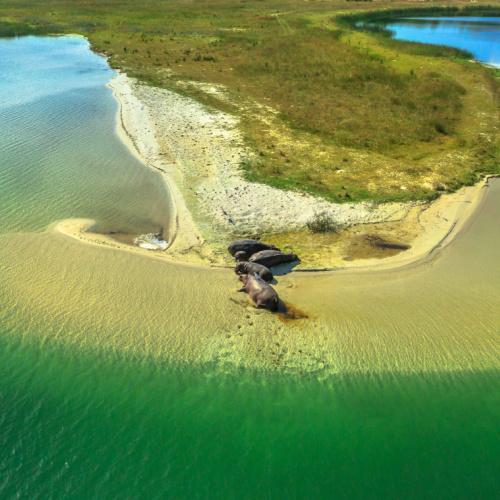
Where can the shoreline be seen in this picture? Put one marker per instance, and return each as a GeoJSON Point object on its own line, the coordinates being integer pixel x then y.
{"type": "Point", "coordinates": [429, 246]}
{"type": "Point", "coordinates": [133, 127]}
{"type": "Point", "coordinates": [171, 149]}
{"type": "Point", "coordinates": [440, 223]}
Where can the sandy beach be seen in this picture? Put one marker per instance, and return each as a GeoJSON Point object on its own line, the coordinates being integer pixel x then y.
{"type": "Point", "coordinates": [199, 151]}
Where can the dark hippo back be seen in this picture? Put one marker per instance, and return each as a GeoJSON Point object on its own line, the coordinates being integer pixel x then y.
{"type": "Point", "coordinates": [271, 258]}
{"type": "Point", "coordinates": [255, 269]}
{"type": "Point", "coordinates": [241, 256]}
{"type": "Point", "coordinates": [248, 246]}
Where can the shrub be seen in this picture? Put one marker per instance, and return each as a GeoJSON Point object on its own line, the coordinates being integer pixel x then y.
{"type": "Point", "coordinates": [322, 222]}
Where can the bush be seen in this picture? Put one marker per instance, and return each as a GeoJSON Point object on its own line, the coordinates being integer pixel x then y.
{"type": "Point", "coordinates": [322, 223]}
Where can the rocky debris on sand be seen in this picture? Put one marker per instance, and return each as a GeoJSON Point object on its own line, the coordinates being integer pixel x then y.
{"type": "Point", "coordinates": [151, 241]}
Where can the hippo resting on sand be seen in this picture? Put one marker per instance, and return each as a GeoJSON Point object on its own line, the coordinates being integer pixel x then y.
{"type": "Point", "coordinates": [248, 246]}
{"type": "Point", "coordinates": [271, 258]}
{"type": "Point", "coordinates": [255, 269]}
{"type": "Point", "coordinates": [262, 294]}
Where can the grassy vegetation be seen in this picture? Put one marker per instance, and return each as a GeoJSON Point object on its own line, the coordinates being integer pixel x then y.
{"type": "Point", "coordinates": [327, 109]}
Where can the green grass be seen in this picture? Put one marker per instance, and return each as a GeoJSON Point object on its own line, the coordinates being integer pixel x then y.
{"type": "Point", "coordinates": [326, 109]}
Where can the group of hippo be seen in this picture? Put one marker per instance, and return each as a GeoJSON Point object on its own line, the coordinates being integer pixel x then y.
{"type": "Point", "coordinates": [254, 259]}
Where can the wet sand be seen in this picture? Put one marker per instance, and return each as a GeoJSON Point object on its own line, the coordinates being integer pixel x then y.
{"type": "Point", "coordinates": [437, 316]}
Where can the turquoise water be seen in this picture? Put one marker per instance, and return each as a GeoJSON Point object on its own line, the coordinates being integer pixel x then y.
{"type": "Point", "coordinates": [478, 35]}
{"type": "Point", "coordinates": [87, 421]}
{"type": "Point", "coordinates": [59, 155]}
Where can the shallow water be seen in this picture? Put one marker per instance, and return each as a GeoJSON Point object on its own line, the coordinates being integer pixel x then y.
{"type": "Point", "coordinates": [127, 376]}
{"type": "Point", "coordinates": [59, 155]}
{"type": "Point", "coordinates": [478, 35]}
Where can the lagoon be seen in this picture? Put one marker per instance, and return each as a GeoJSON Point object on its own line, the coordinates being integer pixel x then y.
{"type": "Point", "coordinates": [478, 35]}
{"type": "Point", "coordinates": [120, 377]}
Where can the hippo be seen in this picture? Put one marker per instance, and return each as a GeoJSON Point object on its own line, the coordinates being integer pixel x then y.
{"type": "Point", "coordinates": [241, 256]}
{"type": "Point", "coordinates": [271, 258]}
{"type": "Point", "coordinates": [248, 246]}
{"type": "Point", "coordinates": [262, 294]}
{"type": "Point", "coordinates": [255, 269]}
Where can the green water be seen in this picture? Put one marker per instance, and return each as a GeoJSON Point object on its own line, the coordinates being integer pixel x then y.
{"type": "Point", "coordinates": [92, 404]}
{"type": "Point", "coordinates": [89, 426]}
